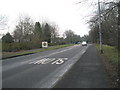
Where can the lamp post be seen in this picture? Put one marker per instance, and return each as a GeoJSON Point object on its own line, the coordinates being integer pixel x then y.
{"type": "Point", "coordinates": [100, 28]}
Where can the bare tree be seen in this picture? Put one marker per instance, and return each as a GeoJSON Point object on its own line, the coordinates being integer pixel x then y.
{"type": "Point", "coordinates": [54, 33]}
{"type": "Point", "coordinates": [109, 20]}
{"type": "Point", "coordinates": [24, 29]}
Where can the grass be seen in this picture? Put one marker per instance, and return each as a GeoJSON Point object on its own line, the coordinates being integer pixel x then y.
{"type": "Point", "coordinates": [111, 61]}
{"type": "Point", "coordinates": [26, 52]}
{"type": "Point", "coordinates": [111, 54]}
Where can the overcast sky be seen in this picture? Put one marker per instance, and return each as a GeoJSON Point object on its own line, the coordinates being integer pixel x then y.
{"type": "Point", "coordinates": [65, 13]}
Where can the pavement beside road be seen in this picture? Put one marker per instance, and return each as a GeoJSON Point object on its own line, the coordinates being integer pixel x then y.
{"type": "Point", "coordinates": [88, 72]}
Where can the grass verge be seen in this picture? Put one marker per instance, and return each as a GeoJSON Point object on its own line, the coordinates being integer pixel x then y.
{"type": "Point", "coordinates": [6, 55]}
{"type": "Point", "coordinates": [110, 59]}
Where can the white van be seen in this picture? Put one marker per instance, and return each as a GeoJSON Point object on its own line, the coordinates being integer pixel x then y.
{"type": "Point", "coordinates": [84, 43]}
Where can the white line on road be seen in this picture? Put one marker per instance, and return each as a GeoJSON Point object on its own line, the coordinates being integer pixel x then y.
{"type": "Point", "coordinates": [50, 60]}
{"type": "Point", "coordinates": [47, 55]}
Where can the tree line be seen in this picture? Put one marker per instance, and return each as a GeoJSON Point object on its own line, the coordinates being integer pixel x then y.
{"type": "Point", "coordinates": [30, 35]}
{"type": "Point", "coordinates": [110, 18]}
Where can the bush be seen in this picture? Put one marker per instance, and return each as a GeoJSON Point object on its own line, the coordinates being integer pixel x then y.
{"type": "Point", "coordinates": [13, 47]}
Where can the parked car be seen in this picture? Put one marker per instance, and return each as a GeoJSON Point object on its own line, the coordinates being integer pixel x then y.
{"type": "Point", "coordinates": [84, 43]}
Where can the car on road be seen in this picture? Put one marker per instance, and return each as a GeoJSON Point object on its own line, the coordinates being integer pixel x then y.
{"type": "Point", "coordinates": [84, 43]}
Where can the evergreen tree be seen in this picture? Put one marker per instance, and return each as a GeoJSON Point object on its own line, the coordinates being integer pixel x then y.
{"type": "Point", "coordinates": [7, 38]}
{"type": "Point", "coordinates": [38, 31]}
{"type": "Point", "coordinates": [47, 33]}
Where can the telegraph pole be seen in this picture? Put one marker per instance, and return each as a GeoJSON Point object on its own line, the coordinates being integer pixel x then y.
{"type": "Point", "coordinates": [100, 28]}
{"type": "Point", "coordinates": [118, 5]}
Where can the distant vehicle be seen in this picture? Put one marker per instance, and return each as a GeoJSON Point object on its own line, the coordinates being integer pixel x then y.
{"type": "Point", "coordinates": [79, 42]}
{"type": "Point", "coordinates": [84, 43]}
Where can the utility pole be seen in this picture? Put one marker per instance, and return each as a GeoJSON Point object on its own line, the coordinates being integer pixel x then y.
{"type": "Point", "coordinates": [100, 28]}
{"type": "Point", "coordinates": [118, 5]}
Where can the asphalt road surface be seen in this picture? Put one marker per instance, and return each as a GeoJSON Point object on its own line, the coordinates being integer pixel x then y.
{"type": "Point", "coordinates": [88, 72]}
{"type": "Point", "coordinates": [70, 67]}
{"type": "Point", "coordinates": [40, 70]}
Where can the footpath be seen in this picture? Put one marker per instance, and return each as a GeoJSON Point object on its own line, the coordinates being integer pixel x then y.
{"type": "Point", "coordinates": [88, 72]}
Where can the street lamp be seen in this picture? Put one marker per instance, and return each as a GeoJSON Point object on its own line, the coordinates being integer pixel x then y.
{"type": "Point", "coordinates": [100, 28]}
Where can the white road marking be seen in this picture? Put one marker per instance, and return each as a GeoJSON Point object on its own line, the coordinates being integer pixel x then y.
{"type": "Point", "coordinates": [50, 60]}
{"type": "Point", "coordinates": [69, 48]}
{"type": "Point", "coordinates": [59, 61]}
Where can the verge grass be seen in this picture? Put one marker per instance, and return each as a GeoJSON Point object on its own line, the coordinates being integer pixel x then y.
{"type": "Point", "coordinates": [111, 61]}
{"type": "Point", "coordinates": [111, 54]}
{"type": "Point", "coordinates": [26, 52]}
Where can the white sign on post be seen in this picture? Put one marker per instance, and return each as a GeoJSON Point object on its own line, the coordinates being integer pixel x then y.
{"type": "Point", "coordinates": [44, 44]}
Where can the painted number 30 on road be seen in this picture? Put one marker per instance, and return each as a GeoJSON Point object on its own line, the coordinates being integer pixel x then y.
{"type": "Point", "coordinates": [50, 60]}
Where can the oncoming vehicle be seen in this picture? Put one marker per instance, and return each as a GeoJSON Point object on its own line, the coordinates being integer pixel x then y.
{"type": "Point", "coordinates": [84, 43]}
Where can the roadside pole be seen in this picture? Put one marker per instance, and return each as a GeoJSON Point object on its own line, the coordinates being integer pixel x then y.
{"type": "Point", "coordinates": [118, 5]}
{"type": "Point", "coordinates": [100, 28]}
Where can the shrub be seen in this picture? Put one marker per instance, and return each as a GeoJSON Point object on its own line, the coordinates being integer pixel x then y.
{"type": "Point", "coordinates": [9, 47]}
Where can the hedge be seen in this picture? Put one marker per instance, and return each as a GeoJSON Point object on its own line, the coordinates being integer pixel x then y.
{"type": "Point", "coordinates": [13, 47]}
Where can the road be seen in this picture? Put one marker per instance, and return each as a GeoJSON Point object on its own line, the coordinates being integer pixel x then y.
{"type": "Point", "coordinates": [88, 72]}
{"type": "Point", "coordinates": [40, 70]}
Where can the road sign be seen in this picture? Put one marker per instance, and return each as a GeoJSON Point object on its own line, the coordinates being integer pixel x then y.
{"type": "Point", "coordinates": [44, 44]}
